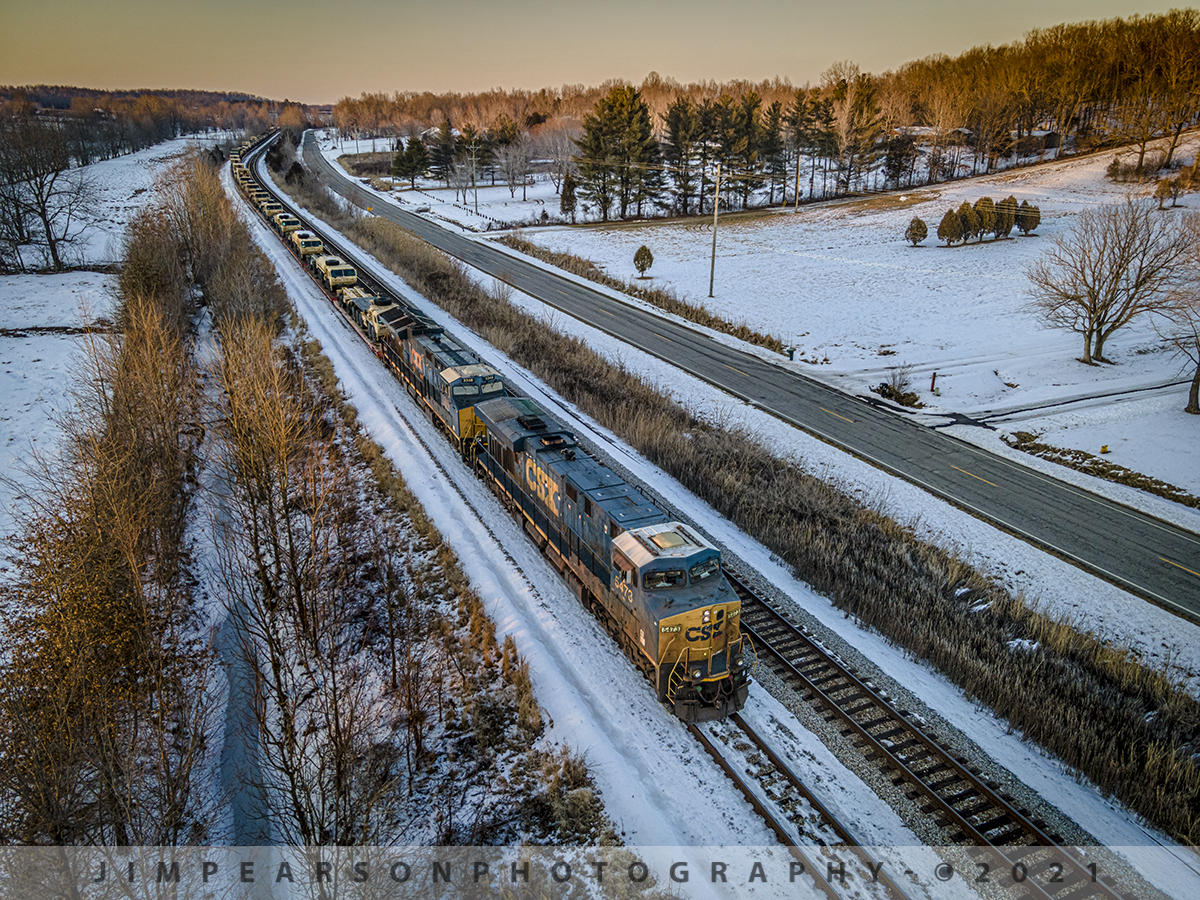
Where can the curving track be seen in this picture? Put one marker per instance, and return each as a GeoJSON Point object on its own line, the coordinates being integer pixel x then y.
{"type": "Point", "coordinates": [999, 837]}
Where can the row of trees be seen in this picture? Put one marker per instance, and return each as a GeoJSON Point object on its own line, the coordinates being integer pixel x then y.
{"type": "Point", "coordinates": [47, 193]}
{"type": "Point", "coordinates": [104, 691]}
{"type": "Point", "coordinates": [986, 217]}
{"type": "Point", "coordinates": [657, 146]}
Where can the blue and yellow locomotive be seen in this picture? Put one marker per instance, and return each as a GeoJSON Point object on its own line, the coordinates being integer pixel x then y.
{"type": "Point", "coordinates": [656, 584]}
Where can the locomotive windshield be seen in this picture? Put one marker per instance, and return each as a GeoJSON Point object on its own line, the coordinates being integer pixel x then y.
{"type": "Point", "coordinates": [665, 578]}
{"type": "Point", "coordinates": [705, 569]}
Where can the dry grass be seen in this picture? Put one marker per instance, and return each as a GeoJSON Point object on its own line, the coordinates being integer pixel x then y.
{"type": "Point", "coordinates": [1083, 461]}
{"type": "Point", "coordinates": [1130, 729]}
{"type": "Point", "coordinates": [664, 299]}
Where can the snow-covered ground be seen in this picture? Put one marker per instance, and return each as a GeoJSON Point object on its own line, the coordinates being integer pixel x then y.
{"type": "Point", "coordinates": [37, 350]}
{"type": "Point", "coordinates": [838, 282]}
{"type": "Point", "coordinates": [595, 700]}
{"type": "Point", "coordinates": [1149, 428]}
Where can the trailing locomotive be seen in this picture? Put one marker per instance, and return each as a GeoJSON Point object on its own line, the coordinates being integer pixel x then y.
{"type": "Point", "coordinates": [656, 585]}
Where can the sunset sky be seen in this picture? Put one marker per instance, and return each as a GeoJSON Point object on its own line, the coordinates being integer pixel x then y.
{"type": "Point", "coordinates": [317, 52]}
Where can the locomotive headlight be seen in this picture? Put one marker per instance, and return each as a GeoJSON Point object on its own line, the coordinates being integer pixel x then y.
{"type": "Point", "coordinates": [696, 673]}
{"type": "Point", "coordinates": [707, 615]}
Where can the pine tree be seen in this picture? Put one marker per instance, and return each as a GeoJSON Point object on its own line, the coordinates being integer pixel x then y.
{"type": "Point", "coordinates": [772, 148]}
{"type": "Point", "coordinates": [682, 121]}
{"type": "Point", "coordinates": [985, 209]}
{"type": "Point", "coordinates": [618, 155]}
{"type": "Point", "coordinates": [417, 160]}
{"type": "Point", "coordinates": [566, 202]}
{"type": "Point", "coordinates": [643, 259]}
{"type": "Point", "coordinates": [970, 221]}
{"type": "Point", "coordinates": [1028, 217]}
{"type": "Point", "coordinates": [443, 153]}
{"type": "Point", "coordinates": [917, 231]}
{"type": "Point", "coordinates": [950, 229]}
{"type": "Point", "coordinates": [1006, 216]}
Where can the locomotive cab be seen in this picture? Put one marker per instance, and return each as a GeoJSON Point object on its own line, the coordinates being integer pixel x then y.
{"type": "Point", "coordinates": [673, 576]}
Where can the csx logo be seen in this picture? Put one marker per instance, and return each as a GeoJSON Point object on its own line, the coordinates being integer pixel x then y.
{"type": "Point", "coordinates": [708, 632]}
{"type": "Point", "coordinates": [704, 632]}
{"type": "Point", "coordinates": [542, 485]}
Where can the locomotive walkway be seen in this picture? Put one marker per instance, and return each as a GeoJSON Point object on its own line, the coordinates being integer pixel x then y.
{"type": "Point", "coordinates": [1145, 555]}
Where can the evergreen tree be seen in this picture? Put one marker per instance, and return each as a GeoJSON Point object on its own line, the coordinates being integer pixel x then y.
{"type": "Point", "coordinates": [970, 221]}
{"type": "Point", "coordinates": [1006, 216]}
{"type": "Point", "coordinates": [443, 153]}
{"type": "Point", "coordinates": [1028, 217]}
{"type": "Point", "coordinates": [400, 164]}
{"type": "Point", "coordinates": [684, 134]}
{"type": "Point", "coordinates": [985, 209]}
{"type": "Point", "coordinates": [917, 231]}
{"type": "Point", "coordinates": [800, 133]}
{"type": "Point", "coordinates": [900, 154]}
{"type": "Point", "coordinates": [772, 148]}
{"type": "Point", "coordinates": [950, 229]}
{"type": "Point", "coordinates": [566, 202]}
{"type": "Point", "coordinates": [417, 160]}
{"type": "Point", "coordinates": [643, 259]}
{"type": "Point", "coordinates": [618, 155]}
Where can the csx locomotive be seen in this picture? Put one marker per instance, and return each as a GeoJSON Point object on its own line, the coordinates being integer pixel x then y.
{"type": "Point", "coordinates": [655, 584]}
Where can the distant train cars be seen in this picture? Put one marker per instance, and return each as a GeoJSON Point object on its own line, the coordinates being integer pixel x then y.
{"type": "Point", "coordinates": [656, 585]}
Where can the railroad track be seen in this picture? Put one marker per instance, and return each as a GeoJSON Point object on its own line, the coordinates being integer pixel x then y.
{"type": "Point", "coordinates": [794, 813]}
{"type": "Point", "coordinates": [1003, 844]}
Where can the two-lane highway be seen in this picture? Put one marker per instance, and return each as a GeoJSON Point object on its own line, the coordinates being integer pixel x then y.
{"type": "Point", "coordinates": [1139, 552]}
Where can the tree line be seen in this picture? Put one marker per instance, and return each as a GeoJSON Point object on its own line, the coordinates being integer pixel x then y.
{"type": "Point", "coordinates": [47, 193]}
{"type": "Point", "coordinates": [656, 147]}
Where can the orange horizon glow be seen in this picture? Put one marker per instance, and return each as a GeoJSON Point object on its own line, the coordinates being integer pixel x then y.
{"type": "Point", "coordinates": [316, 53]}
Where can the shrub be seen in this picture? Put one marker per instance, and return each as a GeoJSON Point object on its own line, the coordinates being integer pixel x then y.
{"type": "Point", "coordinates": [643, 259]}
{"type": "Point", "coordinates": [985, 209]}
{"type": "Point", "coordinates": [916, 231]}
{"type": "Point", "coordinates": [1028, 217]}
{"type": "Point", "coordinates": [950, 229]}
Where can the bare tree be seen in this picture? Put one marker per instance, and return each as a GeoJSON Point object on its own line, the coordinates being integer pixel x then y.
{"type": "Point", "coordinates": [1181, 320]}
{"type": "Point", "coordinates": [513, 159]}
{"type": "Point", "coordinates": [1118, 262]}
{"type": "Point", "coordinates": [58, 201]}
{"type": "Point", "coordinates": [555, 141]}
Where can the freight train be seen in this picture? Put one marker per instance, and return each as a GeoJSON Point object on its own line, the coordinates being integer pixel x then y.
{"type": "Point", "coordinates": [655, 584]}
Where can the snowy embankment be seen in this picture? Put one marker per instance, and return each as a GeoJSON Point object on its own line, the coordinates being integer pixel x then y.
{"type": "Point", "coordinates": [607, 724]}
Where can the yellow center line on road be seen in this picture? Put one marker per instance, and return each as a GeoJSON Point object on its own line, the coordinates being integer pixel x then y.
{"type": "Point", "coordinates": [561, 291]}
{"type": "Point", "coordinates": [1178, 566]}
{"type": "Point", "coordinates": [664, 337]}
{"type": "Point", "coordinates": [732, 369]}
{"type": "Point", "coordinates": [965, 472]}
{"type": "Point", "coordinates": [832, 413]}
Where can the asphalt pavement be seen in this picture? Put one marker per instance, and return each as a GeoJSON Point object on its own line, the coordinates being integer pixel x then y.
{"type": "Point", "coordinates": [1145, 555]}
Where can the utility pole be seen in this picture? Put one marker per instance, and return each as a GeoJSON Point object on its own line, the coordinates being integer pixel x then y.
{"type": "Point", "coordinates": [712, 271]}
{"type": "Point", "coordinates": [474, 183]}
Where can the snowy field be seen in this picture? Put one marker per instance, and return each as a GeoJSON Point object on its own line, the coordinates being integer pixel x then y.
{"type": "Point", "coordinates": [1147, 430]}
{"type": "Point", "coordinates": [598, 704]}
{"type": "Point", "coordinates": [838, 282]}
